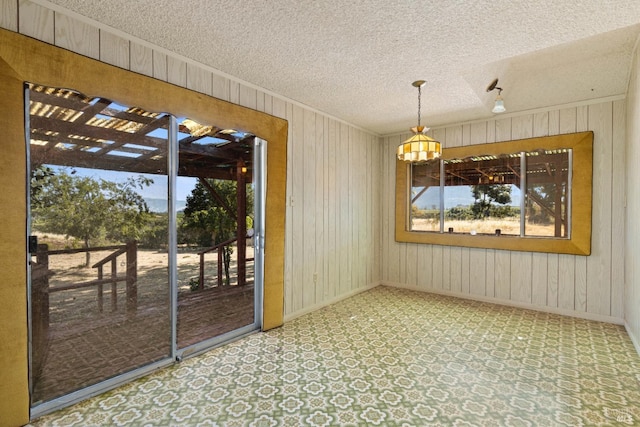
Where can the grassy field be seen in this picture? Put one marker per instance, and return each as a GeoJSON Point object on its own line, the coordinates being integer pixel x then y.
{"type": "Point", "coordinates": [507, 226]}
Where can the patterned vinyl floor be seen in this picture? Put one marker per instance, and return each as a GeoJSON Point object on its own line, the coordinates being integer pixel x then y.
{"type": "Point", "coordinates": [392, 357]}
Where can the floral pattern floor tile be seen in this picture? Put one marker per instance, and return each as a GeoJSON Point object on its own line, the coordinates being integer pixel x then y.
{"type": "Point", "coordinates": [392, 357]}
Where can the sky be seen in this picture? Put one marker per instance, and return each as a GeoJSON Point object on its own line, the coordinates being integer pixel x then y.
{"type": "Point", "coordinates": [455, 196]}
{"type": "Point", "coordinates": [157, 190]}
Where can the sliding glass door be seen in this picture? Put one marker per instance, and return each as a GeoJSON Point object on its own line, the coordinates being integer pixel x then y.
{"type": "Point", "coordinates": [141, 231]}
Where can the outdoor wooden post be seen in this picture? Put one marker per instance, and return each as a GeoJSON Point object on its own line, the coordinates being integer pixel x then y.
{"type": "Point", "coordinates": [220, 249]}
{"type": "Point", "coordinates": [201, 275]}
{"type": "Point", "coordinates": [100, 290]}
{"type": "Point", "coordinates": [559, 178]}
{"type": "Point", "coordinates": [114, 284]}
{"type": "Point", "coordinates": [242, 222]}
{"type": "Point", "coordinates": [132, 276]}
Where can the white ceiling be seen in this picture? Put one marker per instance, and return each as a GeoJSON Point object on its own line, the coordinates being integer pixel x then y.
{"type": "Point", "coordinates": [356, 60]}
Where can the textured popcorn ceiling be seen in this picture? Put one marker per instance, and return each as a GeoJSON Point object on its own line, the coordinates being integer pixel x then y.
{"type": "Point", "coordinates": [356, 60]}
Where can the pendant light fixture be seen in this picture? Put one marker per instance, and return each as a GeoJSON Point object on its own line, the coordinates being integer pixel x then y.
{"type": "Point", "coordinates": [420, 147]}
{"type": "Point", "coordinates": [498, 106]}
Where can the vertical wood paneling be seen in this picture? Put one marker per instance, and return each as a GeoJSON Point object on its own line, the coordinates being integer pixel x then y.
{"type": "Point", "coordinates": [9, 14]}
{"type": "Point", "coordinates": [618, 190]}
{"type": "Point", "coordinates": [503, 130]}
{"type": "Point", "coordinates": [465, 273]}
{"type": "Point", "coordinates": [77, 36]}
{"type": "Point", "coordinates": [160, 70]}
{"type": "Point", "coordinates": [599, 266]}
{"type": "Point", "coordinates": [114, 50]}
{"type": "Point", "coordinates": [248, 97]}
{"type": "Point", "coordinates": [412, 264]}
{"type": "Point", "coordinates": [198, 79]}
{"type": "Point", "coordinates": [478, 271]}
{"type": "Point", "coordinates": [490, 285]}
{"type": "Point", "coordinates": [521, 266]}
{"type": "Point", "coordinates": [552, 280]}
{"type": "Point", "coordinates": [220, 89]}
{"type": "Point", "coordinates": [332, 212]}
{"type": "Point", "coordinates": [344, 234]}
{"type": "Point", "coordinates": [388, 203]}
{"type": "Point", "coordinates": [539, 277]}
{"type": "Point", "coordinates": [452, 136]}
{"type": "Point", "coordinates": [297, 211]}
{"type": "Point", "coordinates": [541, 124]}
{"type": "Point", "coordinates": [176, 71]}
{"type": "Point", "coordinates": [234, 92]}
{"type": "Point", "coordinates": [261, 99]}
{"type": "Point", "coordinates": [502, 274]}
{"type": "Point", "coordinates": [308, 199]}
{"type": "Point", "coordinates": [566, 282]}
{"type": "Point", "coordinates": [321, 208]}
{"type": "Point", "coordinates": [581, 284]}
{"type": "Point", "coordinates": [522, 127]}
{"type": "Point", "coordinates": [456, 269]}
{"type": "Point", "coordinates": [376, 233]}
{"type": "Point", "coordinates": [632, 204]}
{"type": "Point", "coordinates": [355, 199]}
{"type": "Point", "coordinates": [437, 267]}
{"type": "Point", "coordinates": [141, 59]}
{"type": "Point", "coordinates": [582, 124]}
{"type": "Point", "coordinates": [425, 266]}
{"type": "Point", "coordinates": [36, 21]}
{"type": "Point", "coordinates": [568, 120]}
{"type": "Point", "coordinates": [287, 110]}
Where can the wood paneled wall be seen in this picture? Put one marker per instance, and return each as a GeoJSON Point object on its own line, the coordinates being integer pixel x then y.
{"type": "Point", "coordinates": [332, 218]}
{"type": "Point", "coordinates": [589, 287]}
{"type": "Point", "coordinates": [632, 224]}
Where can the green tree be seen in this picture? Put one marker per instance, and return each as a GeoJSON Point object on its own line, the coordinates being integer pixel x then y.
{"type": "Point", "coordinates": [86, 208]}
{"type": "Point", "coordinates": [207, 222]}
{"type": "Point", "coordinates": [486, 195]}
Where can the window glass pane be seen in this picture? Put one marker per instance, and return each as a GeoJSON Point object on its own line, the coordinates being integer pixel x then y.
{"type": "Point", "coordinates": [482, 195]}
{"type": "Point", "coordinates": [547, 193]}
{"type": "Point", "coordinates": [100, 302]}
{"type": "Point", "coordinates": [215, 263]}
{"type": "Point", "coordinates": [425, 197]}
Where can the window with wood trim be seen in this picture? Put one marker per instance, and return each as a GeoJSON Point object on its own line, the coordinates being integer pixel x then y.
{"type": "Point", "coordinates": [529, 195]}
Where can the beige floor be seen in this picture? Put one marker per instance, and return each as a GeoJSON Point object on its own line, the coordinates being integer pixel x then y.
{"type": "Point", "coordinates": [392, 357]}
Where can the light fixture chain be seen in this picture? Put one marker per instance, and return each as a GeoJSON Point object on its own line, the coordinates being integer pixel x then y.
{"type": "Point", "coordinates": [419, 103]}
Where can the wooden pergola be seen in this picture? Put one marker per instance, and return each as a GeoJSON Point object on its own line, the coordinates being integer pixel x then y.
{"type": "Point", "coordinates": [67, 128]}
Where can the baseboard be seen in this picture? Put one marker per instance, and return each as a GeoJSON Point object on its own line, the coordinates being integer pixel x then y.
{"type": "Point", "coordinates": [633, 338]}
{"type": "Point", "coordinates": [509, 303]}
{"type": "Point", "coordinates": [291, 316]}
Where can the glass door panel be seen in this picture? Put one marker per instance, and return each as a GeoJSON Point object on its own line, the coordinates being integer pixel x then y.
{"type": "Point", "coordinates": [100, 292]}
{"type": "Point", "coordinates": [215, 220]}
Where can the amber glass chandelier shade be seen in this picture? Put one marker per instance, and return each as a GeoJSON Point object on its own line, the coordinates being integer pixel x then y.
{"type": "Point", "coordinates": [420, 147]}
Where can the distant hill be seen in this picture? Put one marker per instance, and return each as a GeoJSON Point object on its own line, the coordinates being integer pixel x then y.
{"type": "Point", "coordinates": [161, 205]}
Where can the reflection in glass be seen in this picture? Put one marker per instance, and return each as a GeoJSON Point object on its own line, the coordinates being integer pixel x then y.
{"type": "Point", "coordinates": [100, 302]}
{"type": "Point", "coordinates": [215, 264]}
{"type": "Point", "coordinates": [425, 197]}
{"type": "Point", "coordinates": [547, 193]}
{"type": "Point", "coordinates": [482, 195]}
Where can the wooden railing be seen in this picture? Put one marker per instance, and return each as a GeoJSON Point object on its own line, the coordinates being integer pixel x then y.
{"type": "Point", "coordinates": [40, 289]}
{"type": "Point", "coordinates": [220, 247]}
{"type": "Point", "coordinates": [41, 279]}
